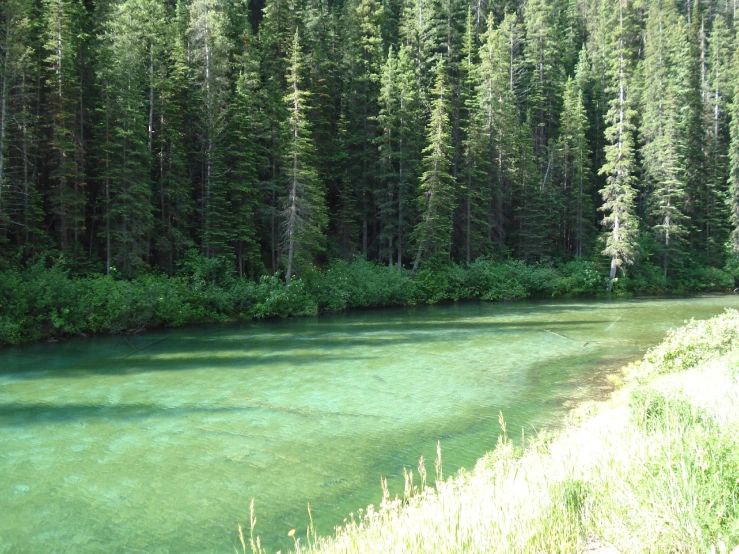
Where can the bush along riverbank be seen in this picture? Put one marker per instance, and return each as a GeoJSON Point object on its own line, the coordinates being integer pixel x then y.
{"type": "Point", "coordinates": [45, 301]}
{"type": "Point", "coordinates": [655, 469]}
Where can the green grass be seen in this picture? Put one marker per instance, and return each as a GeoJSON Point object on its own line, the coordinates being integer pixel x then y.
{"type": "Point", "coordinates": [655, 469]}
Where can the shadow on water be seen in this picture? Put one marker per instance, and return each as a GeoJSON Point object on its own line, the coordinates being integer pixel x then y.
{"type": "Point", "coordinates": [125, 365]}
{"type": "Point", "coordinates": [21, 414]}
{"type": "Point", "coordinates": [243, 351]}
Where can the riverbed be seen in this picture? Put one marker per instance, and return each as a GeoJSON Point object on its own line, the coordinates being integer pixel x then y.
{"type": "Point", "coordinates": [159, 442]}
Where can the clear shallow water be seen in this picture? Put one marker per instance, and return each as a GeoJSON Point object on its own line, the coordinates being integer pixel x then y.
{"type": "Point", "coordinates": [157, 443]}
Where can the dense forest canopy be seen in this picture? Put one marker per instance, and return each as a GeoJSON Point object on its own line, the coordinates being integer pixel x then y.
{"type": "Point", "coordinates": [282, 134]}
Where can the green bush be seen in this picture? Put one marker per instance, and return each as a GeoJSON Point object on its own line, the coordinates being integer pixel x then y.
{"type": "Point", "coordinates": [707, 278]}
{"type": "Point", "coordinates": [360, 284]}
{"type": "Point", "coordinates": [46, 301]}
{"type": "Point", "coordinates": [581, 278]}
{"type": "Point", "coordinates": [273, 299]}
{"type": "Point", "coordinates": [492, 280]}
{"type": "Point", "coordinates": [697, 341]}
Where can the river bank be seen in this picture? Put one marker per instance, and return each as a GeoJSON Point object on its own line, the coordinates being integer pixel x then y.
{"type": "Point", "coordinates": [40, 302]}
{"type": "Point", "coordinates": [655, 469]}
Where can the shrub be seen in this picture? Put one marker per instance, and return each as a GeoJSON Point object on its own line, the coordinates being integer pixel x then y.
{"type": "Point", "coordinates": [581, 277]}
{"type": "Point", "coordinates": [493, 280]}
{"type": "Point", "coordinates": [271, 298]}
{"type": "Point", "coordinates": [360, 284]}
{"type": "Point", "coordinates": [697, 341]}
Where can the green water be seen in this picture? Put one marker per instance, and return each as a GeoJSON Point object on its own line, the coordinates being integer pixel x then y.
{"type": "Point", "coordinates": [157, 443]}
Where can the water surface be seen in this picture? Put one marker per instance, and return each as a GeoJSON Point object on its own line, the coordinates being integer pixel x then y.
{"type": "Point", "coordinates": [158, 442]}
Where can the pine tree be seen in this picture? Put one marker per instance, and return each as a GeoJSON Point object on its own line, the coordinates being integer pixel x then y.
{"type": "Point", "coordinates": [174, 117]}
{"type": "Point", "coordinates": [543, 51]}
{"type": "Point", "coordinates": [363, 64]}
{"type": "Point", "coordinates": [421, 30]}
{"type": "Point", "coordinates": [128, 92]}
{"type": "Point", "coordinates": [211, 50]}
{"type": "Point", "coordinates": [20, 136]}
{"type": "Point", "coordinates": [276, 32]}
{"type": "Point", "coordinates": [574, 172]}
{"type": "Point", "coordinates": [694, 129]}
{"type": "Point", "coordinates": [494, 140]}
{"type": "Point", "coordinates": [532, 211]}
{"type": "Point", "coordinates": [323, 42]}
{"type": "Point", "coordinates": [10, 41]}
{"type": "Point", "coordinates": [305, 211]}
{"type": "Point", "coordinates": [733, 196]}
{"type": "Point", "coordinates": [473, 146]}
{"type": "Point", "coordinates": [713, 217]}
{"type": "Point", "coordinates": [400, 144]}
{"type": "Point", "coordinates": [64, 33]}
{"type": "Point", "coordinates": [247, 131]}
{"type": "Point", "coordinates": [661, 131]}
{"type": "Point", "coordinates": [433, 233]}
{"type": "Point", "coordinates": [619, 194]}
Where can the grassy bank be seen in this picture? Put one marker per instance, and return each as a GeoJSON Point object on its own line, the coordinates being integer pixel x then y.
{"type": "Point", "coordinates": [656, 469]}
{"type": "Point", "coordinates": [45, 301]}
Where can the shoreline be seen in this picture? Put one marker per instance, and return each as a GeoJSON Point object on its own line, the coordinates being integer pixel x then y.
{"type": "Point", "coordinates": [235, 320]}
{"type": "Point", "coordinates": [583, 487]}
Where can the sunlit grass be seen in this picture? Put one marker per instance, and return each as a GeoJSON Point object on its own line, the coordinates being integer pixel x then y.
{"type": "Point", "coordinates": [654, 470]}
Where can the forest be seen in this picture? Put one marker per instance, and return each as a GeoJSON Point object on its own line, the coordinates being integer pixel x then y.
{"type": "Point", "coordinates": [140, 139]}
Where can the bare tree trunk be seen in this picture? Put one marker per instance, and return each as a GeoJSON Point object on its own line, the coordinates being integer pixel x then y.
{"type": "Point", "coordinates": [417, 260]}
{"type": "Point", "coordinates": [469, 227]}
{"type": "Point", "coordinates": [292, 219]}
{"type": "Point", "coordinates": [612, 275]}
{"type": "Point", "coordinates": [3, 115]}
{"type": "Point", "coordinates": [151, 97]}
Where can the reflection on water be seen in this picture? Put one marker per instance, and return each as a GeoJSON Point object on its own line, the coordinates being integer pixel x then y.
{"type": "Point", "coordinates": [158, 442]}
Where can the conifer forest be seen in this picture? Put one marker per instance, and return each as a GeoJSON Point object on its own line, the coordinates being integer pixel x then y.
{"type": "Point", "coordinates": [278, 135]}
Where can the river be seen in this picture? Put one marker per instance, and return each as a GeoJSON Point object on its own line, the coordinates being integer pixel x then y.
{"type": "Point", "coordinates": [158, 442]}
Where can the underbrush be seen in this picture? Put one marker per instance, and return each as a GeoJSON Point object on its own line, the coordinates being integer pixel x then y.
{"type": "Point", "coordinates": [44, 301]}
{"type": "Point", "coordinates": [656, 470]}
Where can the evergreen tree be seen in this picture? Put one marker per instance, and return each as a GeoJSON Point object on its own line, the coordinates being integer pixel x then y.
{"type": "Point", "coordinates": [733, 197]}
{"type": "Point", "coordinates": [64, 34]}
{"type": "Point", "coordinates": [128, 129]}
{"type": "Point", "coordinates": [664, 142]}
{"type": "Point", "coordinates": [574, 172]}
{"type": "Point", "coordinates": [174, 117]}
{"type": "Point", "coordinates": [619, 168]}
{"type": "Point", "coordinates": [494, 138]}
{"type": "Point", "coordinates": [305, 211]}
{"type": "Point", "coordinates": [210, 52]}
{"type": "Point", "coordinates": [433, 232]}
{"type": "Point", "coordinates": [20, 201]}
{"type": "Point", "coordinates": [276, 33]}
{"type": "Point", "coordinates": [473, 146]}
{"type": "Point", "coordinates": [694, 128]}
{"type": "Point", "coordinates": [543, 51]}
{"type": "Point", "coordinates": [400, 145]}
{"type": "Point", "coordinates": [532, 212]}
{"type": "Point", "coordinates": [247, 131]}
{"type": "Point", "coordinates": [363, 63]}
{"type": "Point", "coordinates": [712, 216]}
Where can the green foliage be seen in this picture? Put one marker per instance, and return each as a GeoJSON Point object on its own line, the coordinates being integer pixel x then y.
{"type": "Point", "coordinates": [581, 278]}
{"type": "Point", "coordinates": [270, 297]}
{"type": "Point", "coordinates": [697, 341]}
{"type": "Point", "coordinates": [361, 284]}
{"type": "Point", "coordinates": [654, 410]}
{"type": "Point", "coordinates": [42, 302]}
